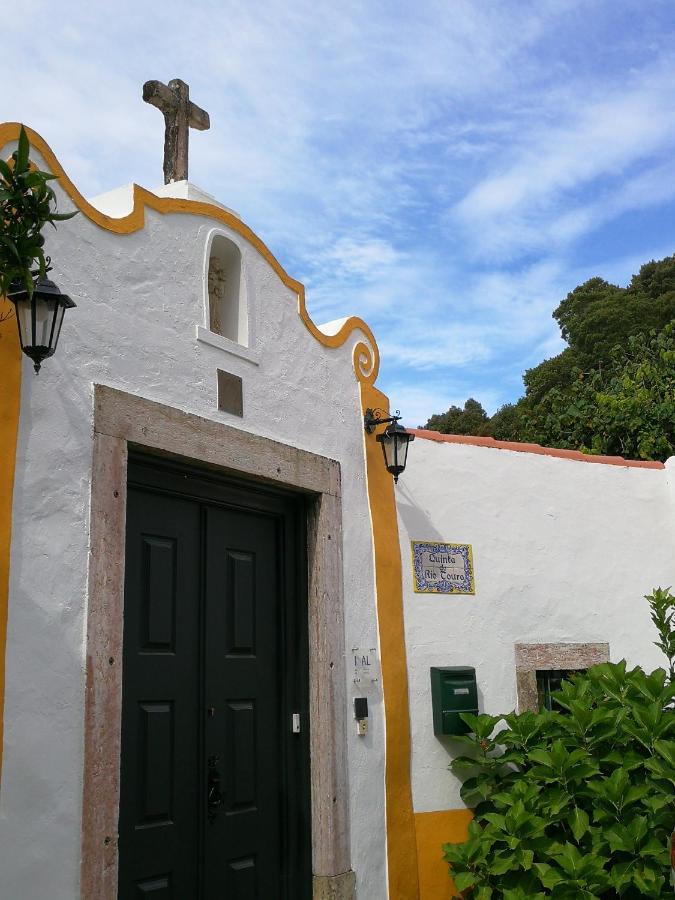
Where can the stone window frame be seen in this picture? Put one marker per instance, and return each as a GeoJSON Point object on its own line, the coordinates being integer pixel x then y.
{"type": "Point", "coordinates": [531, 657]}
{"type": "Point", "coordinates": [122, 420]}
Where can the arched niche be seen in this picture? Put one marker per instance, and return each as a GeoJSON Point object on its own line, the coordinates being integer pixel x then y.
{"type": "Point", "coordinates": [226, 306]}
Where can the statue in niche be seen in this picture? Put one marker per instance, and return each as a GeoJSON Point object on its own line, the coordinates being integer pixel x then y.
{"type": "Point", "coordinates": [217, 293]}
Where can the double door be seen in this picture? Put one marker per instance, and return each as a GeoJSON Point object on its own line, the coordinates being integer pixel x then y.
{"type": "Point", "coordinates": [214, 800]}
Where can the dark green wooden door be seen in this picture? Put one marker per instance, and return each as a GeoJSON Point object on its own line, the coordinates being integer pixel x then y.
{"type": "Point", "coordinates": [214, 782]}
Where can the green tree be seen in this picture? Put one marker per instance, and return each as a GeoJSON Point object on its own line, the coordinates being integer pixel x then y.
{"type": "Point", "coordinates": [625, 409]}
{"type": "Point", "coordinates": [556, 372]}
{"type": "Point", "coordinates": [656, 279]}
{"type": "Point", "coordinates": [459, 421]}
{"type": "Point", "coordinates": [508, 423]}
{"type": "Point", "coordinates": [608, 391]}
{"type": "Point", "coordinates": [598, 316]}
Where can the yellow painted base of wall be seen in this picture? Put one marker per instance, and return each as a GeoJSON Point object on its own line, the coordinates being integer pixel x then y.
{"type": "Point", "coordinates": [432, 830]}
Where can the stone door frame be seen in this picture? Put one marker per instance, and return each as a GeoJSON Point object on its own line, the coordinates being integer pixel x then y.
{"type": "Point", "coordinates": [122, 420]}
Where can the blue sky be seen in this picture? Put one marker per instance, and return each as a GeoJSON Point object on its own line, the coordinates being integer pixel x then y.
{"type": "Point", "coordinates": [446, 170]}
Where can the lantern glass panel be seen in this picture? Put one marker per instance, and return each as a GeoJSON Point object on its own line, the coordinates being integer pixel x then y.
{"type": "Point", "coordinates": [403, 441]}
{"type": "Point", "coordinates": [59, 314]}
{"type": "Point", "coordinates": [45, 310]}
{"type": "Point", "coordinates": [389, 449]}
{"type": "Point", "coordinates": [23, 318]}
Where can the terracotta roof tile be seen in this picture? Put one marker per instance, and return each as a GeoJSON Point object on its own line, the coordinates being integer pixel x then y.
{"type": "Point", "coordinates": [534, 448]}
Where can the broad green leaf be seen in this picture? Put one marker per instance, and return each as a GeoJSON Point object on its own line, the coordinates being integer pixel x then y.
{"type": "Point", "coordinates": [483, 893]}
{"type": "Point", "coordinates": [542, 757]}
{"type": "Point", "coordinates": [482, 725]}
{"type": "Point", "coordinates": [548, 875]}
{"type": "Point", "coordinates": [526, 859]}
{"type": "Point", "coordinates": [501, 863]}
{"type": "Point", "coordinates": [661, 769]}
{"type": "Point", "coordinates": [496, 820]}
{"type": "Point", "coordinates": [465, 764]}
{"type": "Point", "coordinates": [6, 171]}
{"type": "Point", "coordinates": [464, 880]}
{"type": "Point", "coordinates": [578, 822]}
{"type": "Point", "coordinates": [666, 749]}
{"type": "Point", "coordinates": [23, 149]}
{"type": "Point", "coordinates": [648, 883]}
{"type": "Point", "coordinates": [62, 217]}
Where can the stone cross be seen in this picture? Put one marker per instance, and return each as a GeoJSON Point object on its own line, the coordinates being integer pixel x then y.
{"type": "Point", "coordinates": [180, 114]}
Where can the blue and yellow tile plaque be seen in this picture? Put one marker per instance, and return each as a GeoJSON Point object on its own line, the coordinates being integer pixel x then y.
{"type": "Point", "coordinates": [442, 568]}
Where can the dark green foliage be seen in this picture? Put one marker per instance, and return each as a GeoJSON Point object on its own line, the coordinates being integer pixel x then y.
{"type": "Point", "coordinates": [507, 424]}
{"type": "Point", "coordinates": [556, 372]}
{"type": "Point", "coordinates": [597, 316]}
{"type": "Point", "coordinates": [574, 804]}
{"type": "Point", "coordinates": [655, 280]}
{"type": "Point", "coordinates": [460, 421]}
{"type": "Point", "coordinates": [625, 409]}
{"type": "Point", "coordinates": [27, 204]}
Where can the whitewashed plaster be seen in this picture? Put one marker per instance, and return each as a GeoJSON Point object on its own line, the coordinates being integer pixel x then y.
{"type": "Point", "coordinates": [563, 552]}
{"type": "Point", "coordinates": [187, 190]}
{"type": "Point", "coordinates": [139, 300]}
{"type": "Point", "coordinates": [119, 201]}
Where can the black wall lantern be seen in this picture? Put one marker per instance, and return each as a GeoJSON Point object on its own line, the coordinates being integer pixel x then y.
{"type": "Point", "coordinates": [394, 440]}
{"type": "Point", "coordinates": [39, 317]}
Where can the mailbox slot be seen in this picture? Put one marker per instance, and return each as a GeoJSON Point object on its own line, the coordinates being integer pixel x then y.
{"type": "Point", "coordinates": [453, 691]}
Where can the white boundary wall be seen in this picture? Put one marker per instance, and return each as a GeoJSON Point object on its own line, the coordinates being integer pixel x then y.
{"type": "Point", "coordinates": [563, 552]}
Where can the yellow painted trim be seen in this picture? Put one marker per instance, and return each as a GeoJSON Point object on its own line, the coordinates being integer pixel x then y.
{"type": "Point", "coordinates": [10, 395]}
{"type": "Point", "coordinates": [432, 830]}
{"type": "Point", "coordinates": [367, 360]}
{"type": "Point", "coordinates": [400, 823]}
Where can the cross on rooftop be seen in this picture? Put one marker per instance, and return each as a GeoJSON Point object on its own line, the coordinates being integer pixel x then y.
{"type": "Point", "coordinates": [180, 114]}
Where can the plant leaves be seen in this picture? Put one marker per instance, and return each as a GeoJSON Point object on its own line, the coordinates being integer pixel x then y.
{"type": "Point", "coordinates": [579, 822]}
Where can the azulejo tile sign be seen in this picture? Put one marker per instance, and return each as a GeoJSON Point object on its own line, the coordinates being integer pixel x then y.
{"type": "Point", "coordinates": [442, 568]}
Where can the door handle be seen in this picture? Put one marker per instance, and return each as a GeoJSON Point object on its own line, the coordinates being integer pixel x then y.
{"type": "Point", "coordinates": [214, 796]}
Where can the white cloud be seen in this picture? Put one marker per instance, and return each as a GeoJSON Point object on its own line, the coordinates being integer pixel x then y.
{"type": "Point", "coordinates": [518, 207]}
{"type": "Point", "coordinates": [366, 258]}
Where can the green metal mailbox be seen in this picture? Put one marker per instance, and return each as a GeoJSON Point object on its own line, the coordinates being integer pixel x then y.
{"type": "Point", "coordinates": [453, 691]}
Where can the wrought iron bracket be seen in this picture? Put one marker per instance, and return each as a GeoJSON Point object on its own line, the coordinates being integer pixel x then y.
{"type": "Point", "coordinates": [375, 417]}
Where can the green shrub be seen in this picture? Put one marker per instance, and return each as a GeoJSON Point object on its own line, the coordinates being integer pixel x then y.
{"type": "Point", "coordinates": [27, 204]}
{"type": "Point", "coordinates": [571, 804]}
{"type": "Point", "coordinates": [662, 606]}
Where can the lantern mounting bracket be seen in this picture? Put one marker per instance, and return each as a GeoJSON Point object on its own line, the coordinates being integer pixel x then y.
{"type": "Point", "coordinates": [375, 417]}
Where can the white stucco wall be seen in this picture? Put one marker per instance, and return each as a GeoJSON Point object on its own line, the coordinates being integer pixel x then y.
{"type": "Point", "coordinates": [139, 299]}
{"type": "Point", "coordinates": [563, 552]}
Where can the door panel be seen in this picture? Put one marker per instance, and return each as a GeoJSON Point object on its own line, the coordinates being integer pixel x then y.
{"type": "Point", "coordinates": [159, 796]}
{"type": "Point", "coordinates": [244, 689]}
{"type": "Point", "coordinates": [239, 634]}
{"type": "Point", "coordinates": [214, 787]}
